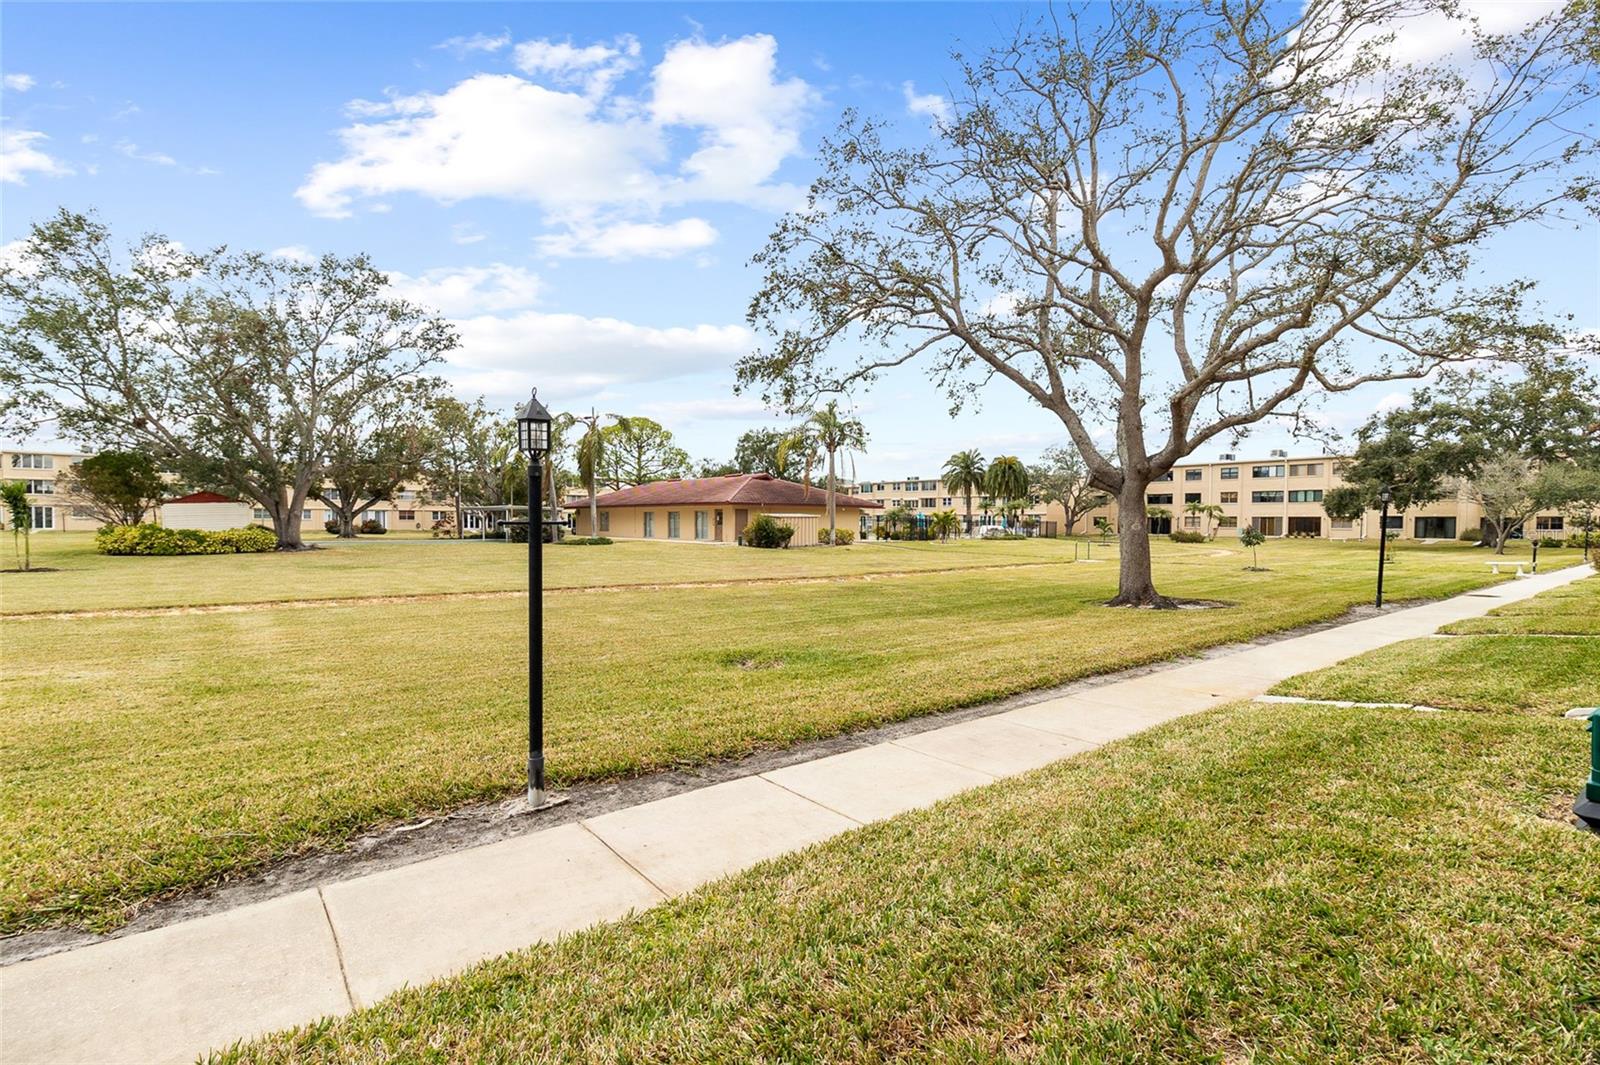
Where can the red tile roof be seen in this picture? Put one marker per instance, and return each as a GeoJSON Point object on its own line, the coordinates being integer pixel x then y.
{"type": "Point", "coordinates": [749, 489]}
{"type": "Point", "coordinates": [200, 497]}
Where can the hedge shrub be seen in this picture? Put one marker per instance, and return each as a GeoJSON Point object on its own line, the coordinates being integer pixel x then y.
{"type": "Point", "coordinates": [766, 531]}
{"type": "Point", "coordinates": [1186, 536]}
{"type": "Point", "coordinates": [583, 541]}
{"type": "Point", "coordinates": [151, 539]}
{"type": "Point", "coordinates": [1471, 536]}
{"type": "Point", "coordinates": [843, 537]}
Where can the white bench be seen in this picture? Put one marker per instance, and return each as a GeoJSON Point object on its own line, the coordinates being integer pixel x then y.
{"type": "Point", "coordinates": [1495, 567]}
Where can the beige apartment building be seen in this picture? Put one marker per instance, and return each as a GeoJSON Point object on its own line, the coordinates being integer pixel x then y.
{"type": "Point", "coordinates": [54, 510]}
{"type": "Point", "coordinates": [1281, 495]}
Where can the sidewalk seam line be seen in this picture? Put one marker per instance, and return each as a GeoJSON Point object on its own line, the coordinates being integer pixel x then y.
{"type": "Point", "coordinates": [338, 949]}
{"type": "Point", "coordinates": [821, 805]}
{"type": "Point", "coordinates": [665, 894]}
{"type": "Point", "coordinates": [949, 761]}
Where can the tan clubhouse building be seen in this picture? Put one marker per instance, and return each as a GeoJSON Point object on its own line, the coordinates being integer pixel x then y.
{"type": "Point", "coordinates": [716, 509]}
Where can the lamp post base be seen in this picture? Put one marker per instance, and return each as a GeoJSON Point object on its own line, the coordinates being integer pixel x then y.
{"type": "Point", "coordinates": [1588, 811]}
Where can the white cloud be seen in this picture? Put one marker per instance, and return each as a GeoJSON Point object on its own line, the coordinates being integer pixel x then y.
{"type": "Point", "coordinates": [631, 240]}
{"type": "Point", "coordinates": [749, 120]}
{"type": "Point", "coordinates": [21, 155]}
{"type": "Point", "coordinates": [133, 151]}
{"type": "Point", "coordinates": [469, 290]}
{"type": "Point", "coordinates": [594, 68]}
{"type": "Point", "coordinates": [714, 408]}
{"type": "Point", "coordinates": [461, 47]}
{"type": "Point", "coordinates": [297, 253]}
{"type": "Point", "coordinates": [569, 355]}
{"type": "Point", "coordinates": [931, 106]}
{"type": "Point", "coordinates": [13, 256]}
{"type": "Point", "coordinates": [466, 233]}
{"type": "Point", "coordinates": [565, 139]}
{"type": "Point", "coordinates": [19, 82]}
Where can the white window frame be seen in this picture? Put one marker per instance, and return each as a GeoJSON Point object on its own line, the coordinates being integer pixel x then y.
{"type": "Point", "coordinates": [42, 517]}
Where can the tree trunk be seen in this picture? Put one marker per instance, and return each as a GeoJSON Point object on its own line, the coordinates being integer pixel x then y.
{"type": "Point", "coordinates": [969, 511]}
{"type": "Point", "coordinates": [555, 507]}
{"type": "Point", "coordinates": [833, 534]}
{"type": "Point", "coordinates": [594, 514]}
{"type": "Point", "coordinates": [1502, 533]}
{"type": "Point", "coordinates": [286, 527]}
{"type": "Point", "coordinates": [1135, 583]}
{"type": "Point", "coordinates": [347, 521]}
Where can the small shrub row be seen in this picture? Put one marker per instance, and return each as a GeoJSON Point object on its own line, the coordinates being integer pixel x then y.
{"type": "Point", "coordinates": [1186, 536]}
{"type": "Point", "coordinates": [766, 531]}
{"type": "Point", "coordinates": [1471, 536]}
{"type": "Point", "coordinates": [841, 537]}
{"type": "Point", "coordinates": [580, 541]}
{"type": "Point", "coordinates": [151, 539]}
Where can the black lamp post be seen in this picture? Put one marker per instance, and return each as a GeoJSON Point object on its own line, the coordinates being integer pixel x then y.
{"type": "Point", "coordinates": [1385, 497]}
{"type": "Point", "coordinates": [533, 440]}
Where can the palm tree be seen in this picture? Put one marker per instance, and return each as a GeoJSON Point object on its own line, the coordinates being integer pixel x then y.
{"type": "Point", "coordinates": [830, 432]}
{"type": "Point", "coordinates": [1158, 513]}
{"type": "Point", "coordinates": [591, 461]}
{"type": "Point", "coordinates": [1209, 510]}
{"type": "Point", "coordinates": [1102, 525]}
{"type": "Point", "coordinates": [1007, 480]}
{"type": "Point", "coordinates": [963, 474]}
{"type": "Point", "coordinates": [14, 495]}
{"type": "Point", "coordinates": [560, 425]}
{"type": "Point", "coordinates": [944, 524]}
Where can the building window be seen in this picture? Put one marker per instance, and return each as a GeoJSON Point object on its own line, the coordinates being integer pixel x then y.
{"type": "Point", "coordinates": [1548, 525]}
{"type": "Point", "coordinates": [1227, 521]}
{"type": "Point", "coordinates": [930, 486]}
{"type": "Point", "coordinates": [42, 517]}
{"type": "Point", "coordinates": [1191, 521]}
{"type": "Point", "coordinates": [673, 531]}
{"type": "Point", "coordinates": [1306, 495]}
{"type": "Point", "coordinates": [305, 515]}
{"type": "Point", "coordinates": [437, 515]}
{"type": "Point", "coordinates": [930, 503]}
{"type": "Point", "coordinates": [42, 488]}
{"type": "Point", "coordinates": [1436, 528]}
{"type": "Point", "coordinates": [1268, 525]}
{"type": "Point", "coordinates": [948, 501]}
{"type": "Point", "coordinates": [1342, 523]}
{"type": "Point", "coordinates": [649, 523]}
{"type": "Point", "coordinates": [1230, 497]}
{"type": "Point", "coordinates": [408, 515]}
{"type": "Point", "coordinates": [1266, 471]}
{"type": "Point", "coordinates": [261, 514]}
{"type": "Point", "coordinates": [1308, 469]}
{"type": "Point", "coordinates": [1229, 473]}
{"type": "Point", "coordinates": [405, 495]}
{"type": "Point", "coordinates": [1160, 497]}
{"type": "Point", "coordinates": [702, 525]}
{"type": "Point", "coordinates": [382, 518]}
{"type": "Point", "coordinates": [1266, 497]}
{"type": "Point", "coordinates": [605, 521]}
{"type": "Point", "coordinates": [1305, 526]}
{"type": "Point", "coordinates": [1164, 477]}
{"type": "Point", "coordinates": [1191, 497]}
{"type": "Point", "coordinates": [1192, 475]}
{"type": "Point", "coordinates": [33, 462]}
{"type": "Point", "coordinates": [1394, 523]}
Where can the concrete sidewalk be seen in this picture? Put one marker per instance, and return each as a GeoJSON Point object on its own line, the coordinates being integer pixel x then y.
{"type": "Point", "coordinates": [172, 993]}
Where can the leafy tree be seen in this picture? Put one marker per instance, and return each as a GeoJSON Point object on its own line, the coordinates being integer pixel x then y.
{"type": "Point", "coordinates": [965, 473]}
{"type": "Point", "coordinates": [118, 487]}
{"type": "Point", "coordinates": [230, 369]}
{"type": "Point", "coordinates": [714, 468]}
{"type": "Point", "coordinates": [472, 455]}
{"type": "Point", "coordinates": [1061, 477]}
{"type": "Point", "coordinates": [1007, 481]}
{"type": "Point", "coordinates": [378, 446]}
{"type": "Point", "coordinates": [640, 450]}
{"type": "Point", "coordinates": [1154, 514]}
{"type": "Point", "coordinates": [1345, 503]}
{"type": "Point", "coordinates": [19, 512]}
{"type": "Point", "coordinates": [757, 452]}
{"type": "Point", "coordinates": [1511, 489]}
{"type": "Point", "coordinates": [1172, 220]}
{"type": "Point", "coordinates": [1210, 511]}
{"type": "Point", "coordinates": [1251, 537]}
{"type": "Point", "coordinates": [1402, 451]}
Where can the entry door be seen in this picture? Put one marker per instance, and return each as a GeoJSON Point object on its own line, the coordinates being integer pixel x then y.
{"type": "Point", "coordinates": [741, 518]}
{"type": "Point", "coordinates": [717, 525]}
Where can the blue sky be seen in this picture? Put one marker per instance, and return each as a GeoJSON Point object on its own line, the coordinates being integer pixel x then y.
{"type": "Point", "coordinates": [580, 186]}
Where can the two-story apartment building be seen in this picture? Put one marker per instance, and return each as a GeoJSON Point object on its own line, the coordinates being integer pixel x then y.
{"type": "Point", "coordinates": [922, 497]}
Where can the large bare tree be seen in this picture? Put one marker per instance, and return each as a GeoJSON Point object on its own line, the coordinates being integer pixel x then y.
{"type": "Point", "coordinates": [232, 369]}
{"type": "Point", "coordinates": [1167, 222]}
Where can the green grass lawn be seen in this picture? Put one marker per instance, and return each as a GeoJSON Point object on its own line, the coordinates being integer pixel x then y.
{"type": "Point", "coordinates": [1499, 671]}
{"type": "Point", "coordinates": [145, 755]}
{"type": "Point", "coordinates": [393, 566]}
{"type": "Point", "coordinates": [1258, 883]}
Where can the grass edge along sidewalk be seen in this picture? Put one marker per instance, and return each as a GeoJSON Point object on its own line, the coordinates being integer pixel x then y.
{"type": "Point", "coordinates": [1429, 904]}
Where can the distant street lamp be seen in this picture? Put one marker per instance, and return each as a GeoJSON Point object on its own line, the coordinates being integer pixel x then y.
{"type": "Point", "coordinates": [1385, 497]}
{"type": "Point", "coordinates": [533, 440]}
